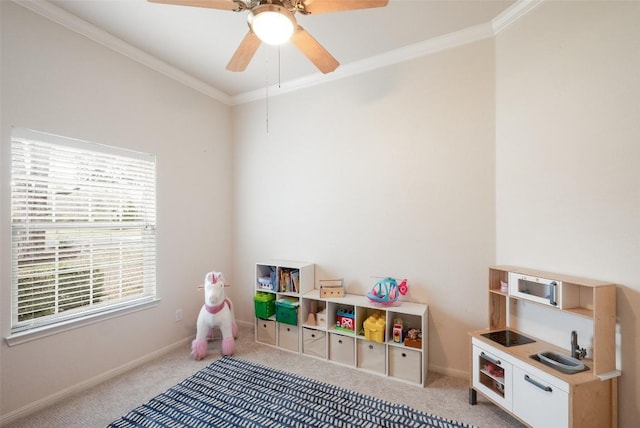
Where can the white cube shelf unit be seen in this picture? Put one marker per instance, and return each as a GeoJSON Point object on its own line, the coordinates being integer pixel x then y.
{"type": "Point", "coordinates": [286, 280]}
{"type": "Point", "coordinates": [338, 334]}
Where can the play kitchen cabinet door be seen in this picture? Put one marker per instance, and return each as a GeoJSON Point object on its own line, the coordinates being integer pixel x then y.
{"type": "Point", "coordinates": [341, 349]}
{"type": "Point", "coordinates": [405, 364]}
{"type": "Point", "coordinates": [288, 337]}
{"type": "Point", "coordinates": [539, 402]}
{"type": "Point", "coordinates": [492, 376]}
{"type": "Point", "coordinates": [266, 331]}
{"type": "Point", "coordinates": [371, 356]}
{"type": "Point", "coordinates": [314, 343]}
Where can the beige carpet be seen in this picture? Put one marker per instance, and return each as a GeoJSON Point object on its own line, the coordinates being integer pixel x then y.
{"type": "Point", "coordinates": [96, 407]}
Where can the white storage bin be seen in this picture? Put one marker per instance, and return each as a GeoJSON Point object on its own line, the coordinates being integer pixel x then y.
{"type": "Point", "coordinates": [266, 331]}
{"type": "Point", "coordinates": [371, 356]}
{"type": "Point", "coordinates": [314, 342]}
{"type": "Point", "coordinates": [341, 349]}
{"type": "Point", "coordinates": [288, 337]}
{"type": "Point", "coordinates": [405, 364]}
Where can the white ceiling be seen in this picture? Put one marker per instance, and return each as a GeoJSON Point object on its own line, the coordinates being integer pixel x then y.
{"type": "Point", "coordinates": [196, 43]}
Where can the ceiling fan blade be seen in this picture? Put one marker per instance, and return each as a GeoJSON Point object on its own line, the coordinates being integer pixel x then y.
{"type": "Point", "coordinates": [212, 4]}
{"type": "Point", "coordinates": [313, 50]}
{"type": "Point", "coordinates": [325, 6]}
{"type": "Point", "coordinates": [242, 56]}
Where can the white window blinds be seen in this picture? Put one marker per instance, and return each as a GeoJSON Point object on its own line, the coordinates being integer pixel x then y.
{"type": "Point", "coordinates": [83, 220]}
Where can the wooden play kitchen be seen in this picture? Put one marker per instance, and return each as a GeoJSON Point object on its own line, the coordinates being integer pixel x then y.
{"type": "Point", "coordinates": [522, 362]}
{"type": "Point", "coordinates": [327, 323]}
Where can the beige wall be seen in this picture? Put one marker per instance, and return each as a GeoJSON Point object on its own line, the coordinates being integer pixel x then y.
{"type": "Point", "coordinates": [385, 173]}
{"type": "Point", "coordinates": [57, 81]}
{"type": "Point", "coordinates": [568, 150]}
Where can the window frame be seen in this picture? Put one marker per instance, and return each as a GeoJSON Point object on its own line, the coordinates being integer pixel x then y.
{"type": "Point", "coordinates": [146, 297]}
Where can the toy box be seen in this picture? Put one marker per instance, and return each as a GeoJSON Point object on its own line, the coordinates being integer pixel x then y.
{"type": "Point", "coordinates": [287, 311]}
{"type": "Point", "coordinates": [374, 327]}
{"type": "Point", "coordinates": [331, 288]}
{"type": "Point", "coordinates": [264, 304]}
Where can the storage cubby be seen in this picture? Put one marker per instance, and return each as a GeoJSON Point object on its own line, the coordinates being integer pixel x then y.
{"type": "Point", "coordinates": [341, 318]}
{"type": "Point", "coordinates": [409, 322]}
{"type": "Point", "coordinates": [371, 323]}
{"type": "Point", "coordinates": [278, 286]}
{"type": "Point", "coordinates": [498, 293]}
{"type": "Point", "coordinates": [316, 308]}
{"type": "Point", "coordinates": [349, 330]}
{"type": "Point", "coordinates": [285, 277]}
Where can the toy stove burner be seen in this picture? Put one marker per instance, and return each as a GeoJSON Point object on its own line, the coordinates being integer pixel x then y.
{"type": "Point", "coordinates": [508, 338]}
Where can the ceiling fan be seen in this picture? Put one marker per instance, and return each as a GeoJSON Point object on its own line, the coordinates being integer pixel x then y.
{"type": "Point", "coordinates": [273, 22]}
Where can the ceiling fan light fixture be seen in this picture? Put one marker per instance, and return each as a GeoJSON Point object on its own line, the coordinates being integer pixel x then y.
{"type": "Point", "coordinates": [272, 23]}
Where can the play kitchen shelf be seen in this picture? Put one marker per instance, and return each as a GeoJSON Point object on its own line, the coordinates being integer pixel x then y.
{"type": "Point", "coordinates": [506, 366]}
{"type": "Point", "coordinates": [348, 330]}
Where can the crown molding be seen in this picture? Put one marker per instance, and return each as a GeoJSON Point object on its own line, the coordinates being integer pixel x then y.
{"type": "Point", "coordinates": [427, 47]}
{"type": "Point", "coordinates": [406, 53]}
{"type": "Point", "coordinates": [72, 22]}
{"type": "Point", "coordinates": [510, 15]}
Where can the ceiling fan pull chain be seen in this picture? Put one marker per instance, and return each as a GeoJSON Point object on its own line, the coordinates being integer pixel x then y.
{"type": "Point", "coordinates": [266, 60]}
{"type": "Point", "coordinates": [279, 66]}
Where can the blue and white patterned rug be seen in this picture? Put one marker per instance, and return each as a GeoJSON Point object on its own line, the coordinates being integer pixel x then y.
{"type": "Point", "coordinates": [236, 393]}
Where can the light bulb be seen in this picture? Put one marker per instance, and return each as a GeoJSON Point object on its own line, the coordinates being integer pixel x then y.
{"type": "Point", "coordinates": [273, 24]}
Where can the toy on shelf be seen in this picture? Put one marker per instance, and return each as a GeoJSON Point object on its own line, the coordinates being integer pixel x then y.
{"type": "Point", "coordinates": [374, 327]}
{"type": "Point", "coordinates": [265, 283]}
{"type": "Point", "coordinates": [345, 320]}
{"type": "Point", "coordinates": [331, 288]}
{"type": "Point", "coordinates": [414, 338]}
{"type": "Point", "coordinates": [321, 318]}
{"type": "Point", "coordinates": [387, 291]}
{"type": "Point", "coordinates": [313, 309]}
{"type": "Point", "coordinates": [397, 330]}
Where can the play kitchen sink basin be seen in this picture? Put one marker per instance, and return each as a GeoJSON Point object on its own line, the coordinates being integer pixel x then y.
{"type": "Point", "coordinates": [560, 362]}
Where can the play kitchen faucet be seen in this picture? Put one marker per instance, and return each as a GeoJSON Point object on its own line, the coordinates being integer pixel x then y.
{"type": "Point", "coordinates": [576, 351]}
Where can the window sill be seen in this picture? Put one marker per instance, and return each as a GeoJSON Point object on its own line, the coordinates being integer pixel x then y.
{"type": "Point", "coordinates": [50, 330]}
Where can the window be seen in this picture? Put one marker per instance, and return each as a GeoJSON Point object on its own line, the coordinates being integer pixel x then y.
{"type": "Point", "coordinates": [83, 222]}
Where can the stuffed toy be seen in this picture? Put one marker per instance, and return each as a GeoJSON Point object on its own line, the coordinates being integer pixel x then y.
{"type": "Point", "coordinates": [217, 312]}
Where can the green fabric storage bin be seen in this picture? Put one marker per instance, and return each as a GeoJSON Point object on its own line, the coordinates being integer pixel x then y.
{"type": "Point", "coordinates": [286, 313]}
{"type": "Point", "coordinates": [264, 304]}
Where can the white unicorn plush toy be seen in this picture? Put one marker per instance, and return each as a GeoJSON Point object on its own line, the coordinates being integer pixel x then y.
{"type": "Point", "coordinates": [217, 311]}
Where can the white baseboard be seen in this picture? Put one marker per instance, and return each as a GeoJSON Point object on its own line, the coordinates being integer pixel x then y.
{"type": "Point", "coordinates": [461, 374]}
{"type": "Point", "coordinates": [96, 380]}
{"type": "Point", "coordinates": [249, 324]}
